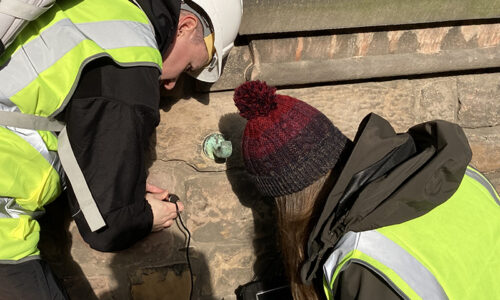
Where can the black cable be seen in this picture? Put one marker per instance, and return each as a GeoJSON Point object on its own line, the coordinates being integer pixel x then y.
{"type": "Point", "coordinates": [187, 249]}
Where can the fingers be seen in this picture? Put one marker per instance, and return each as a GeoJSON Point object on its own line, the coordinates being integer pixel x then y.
{"type": "Point", "coordinates": [168, 224]}
{"type": "Point", "coordinates": [153, 188]}
{"type": "Point", "coordinates": [161, 195]}
{"type": "Point", "coordinates": [164, 213]}
{"type": "Point", "coordinates": [180, 206]}
{"type": "Point", "coordinates": [155, 197]}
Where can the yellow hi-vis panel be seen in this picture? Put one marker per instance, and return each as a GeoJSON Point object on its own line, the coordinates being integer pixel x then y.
{"type": "Point", "coordinates": [27, 177]}
{"type": "Point", "coordinates": [449, 253]}
{"type": "Point", "coordinates": [38, 75]}
{"type": "Point", "coordinates": [458, 242]}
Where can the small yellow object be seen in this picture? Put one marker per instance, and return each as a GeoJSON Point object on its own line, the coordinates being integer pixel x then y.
{"type": "Point", "coordinates": [209, 42]}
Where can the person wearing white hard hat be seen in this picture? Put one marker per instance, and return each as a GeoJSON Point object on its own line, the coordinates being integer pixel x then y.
{"type": "Point", "coordinates": [79, 99]}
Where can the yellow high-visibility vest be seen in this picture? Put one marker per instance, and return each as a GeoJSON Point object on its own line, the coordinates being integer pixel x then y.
{"type": "Point", "coordinates": [38, 75]}
{"type": "Point", "coordinates": [449, 253]}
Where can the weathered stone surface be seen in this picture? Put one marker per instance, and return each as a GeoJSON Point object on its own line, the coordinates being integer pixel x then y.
{"type": "Point", "coordinates": [485, 145]}
{"type": "Point", "coordinates": [215, 214]}
{"type": "Point", "coordinates": [494, 178]}
{"type": "Point", "coordinates": [305, 59]}
{"type": "Point", "coordinates": [435, 99]}
{"type": "Point", "coordinates": [230, 267]}
{"type": "Point", "coordinates": [188, 122]}
{"type": "Point", "coordinates": [346, 105]}
{"type": "Point", "coordinates": [222, 209]}
{"type": "Point", "coordinates": [428, 41]}
{"type": "Point", "coordinates": [270, 16]}
{"type": "Point", "coordinates": [479, 100]}
{"type": "Point", "coordinates": [360, 55]}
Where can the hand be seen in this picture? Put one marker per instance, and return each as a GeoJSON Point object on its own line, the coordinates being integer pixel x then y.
{"type": "Point", "coordinates": [164, 212]}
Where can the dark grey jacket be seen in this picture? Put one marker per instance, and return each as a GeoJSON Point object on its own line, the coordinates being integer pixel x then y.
{"type": "Point", "coordinates": [388, 179]}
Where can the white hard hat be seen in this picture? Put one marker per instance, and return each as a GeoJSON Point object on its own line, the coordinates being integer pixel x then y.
{"type": "Point", "coordinates": [225, 18]}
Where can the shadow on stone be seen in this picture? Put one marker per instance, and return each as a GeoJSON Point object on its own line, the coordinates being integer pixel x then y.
{"type": "Point", "coordinates": [154, 268]}
{"type": "Point", "coordinates": [185, 89]}
{"type": "Point", "coordinates": [268, 266]}
{"type": "Point", "coordinates": [157, 268]}
{"type": "Point", "coordinates": [55, 246]}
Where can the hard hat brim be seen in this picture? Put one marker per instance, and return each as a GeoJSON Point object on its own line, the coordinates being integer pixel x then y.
{"type": "Point", "coordinates": [225, 31]}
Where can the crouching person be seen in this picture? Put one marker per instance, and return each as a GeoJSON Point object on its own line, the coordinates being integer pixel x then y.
{"type": "Point", "coordinates": [92, 70]}
{"type": "Point", "coordinates": [385, 216]}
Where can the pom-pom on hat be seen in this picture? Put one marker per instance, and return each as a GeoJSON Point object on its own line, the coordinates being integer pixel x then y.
{"type": "Point", "coordinates": [287, 144]}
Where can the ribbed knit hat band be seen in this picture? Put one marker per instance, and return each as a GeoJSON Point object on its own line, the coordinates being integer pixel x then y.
{"type": "Point", "coordinates": [287, 144]}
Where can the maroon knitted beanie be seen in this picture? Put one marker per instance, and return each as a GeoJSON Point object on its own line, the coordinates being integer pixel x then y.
{"type": "Point", "coordinates": [287, 144]}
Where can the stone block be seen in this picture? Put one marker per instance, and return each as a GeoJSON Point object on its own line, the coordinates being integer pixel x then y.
{"type": "Point", "coordinates": [214, 213]}
{"type": "Point", "coordinates": [478, 97]}
{"type": "Point", "coordinates": [271, 16]}
{"type": "Point", "coordinates": [185, 125]}
{"type": "Point", "coordinates": [346, 105]}
{"type": "Point", "coordinates": [436, 98]}
{"type": "Point", "coordinates": [171, 175]}
{"type": "Point", "coordinates": [485, 145]}
{"type": "Point", "coordinates": [329, 56]}
{"type": "Point", "coordinates": [494, 178]}
{"type": "Point", "coordinates": [230, 266]}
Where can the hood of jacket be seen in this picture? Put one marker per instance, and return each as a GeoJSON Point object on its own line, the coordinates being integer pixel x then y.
{"type": "Point", "coordinates": [164, 16]}
{"type": "Point", "coordinates": [389, 178]}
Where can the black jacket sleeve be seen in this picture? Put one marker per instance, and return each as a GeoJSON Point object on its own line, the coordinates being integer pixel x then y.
{"type": "Point", "coordinates": [358, 282]}
{"type": "Point", "coordinates": [110, 119]}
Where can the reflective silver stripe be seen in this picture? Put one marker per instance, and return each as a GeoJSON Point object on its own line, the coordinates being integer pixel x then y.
{"type": "Point", "coordinates": [20, 120]}
{"type": "Point", "coordinates": [23, 9]}
{"type": "Point", "coordinates": [40, 54]}
{"type": "Point", "coordinates": [10, 209]}
{"type": "Point", "coordinates": [390, 254]}
{"type": "Point", "coordinates": [345, 245]}
{"type": "Point", "coordinates": [52, 44]}
{"type": "Point", "coordinates": [84, 197]}
{"type": "Point", "coordinates": [36, 141]}
{"type": "Point", "coordinates": [5, 103]}
{"type": "Point", "coordinates": [25, 259]}
{"type": "Point", "coordinates": [484, 182]}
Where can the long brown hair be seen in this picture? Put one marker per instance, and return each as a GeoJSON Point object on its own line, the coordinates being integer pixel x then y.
{"type": "Point", "coordinates": [297, 214]}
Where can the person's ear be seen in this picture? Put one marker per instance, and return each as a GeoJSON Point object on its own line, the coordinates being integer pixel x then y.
{"type": "Point", "coordinates": [187, 24]}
